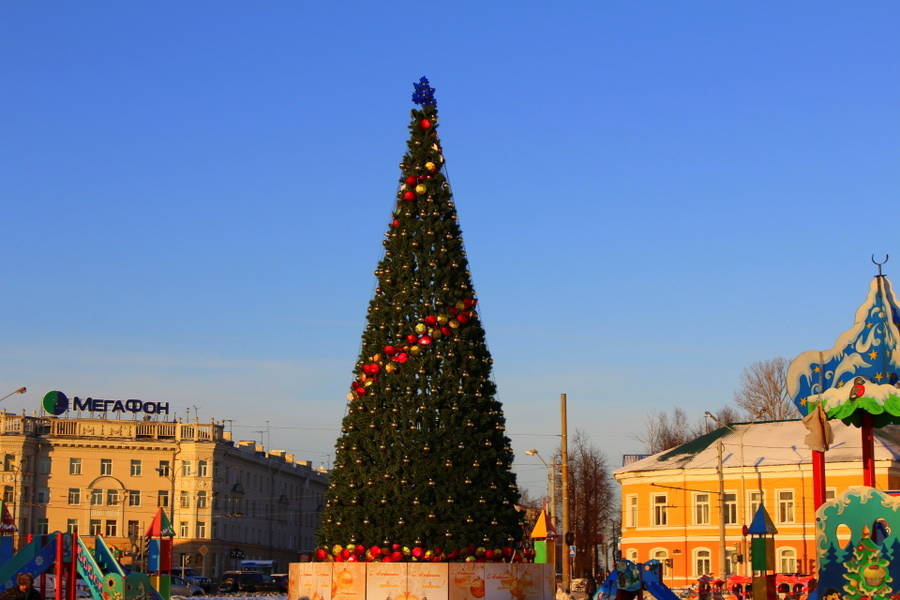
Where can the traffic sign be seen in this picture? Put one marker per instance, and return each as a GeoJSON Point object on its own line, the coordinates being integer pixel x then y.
{"type": "Point", "coordinates": [572, 551]}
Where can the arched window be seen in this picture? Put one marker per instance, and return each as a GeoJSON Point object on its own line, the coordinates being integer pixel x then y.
{"type": "Point", "coordinates": [702, 562]}
{"type": "Point", "coordinates": [787, 560]}
{"type": "Point", "coordinates": [633, 555]}
{"type": "Point", "coordinates": [661, 554]}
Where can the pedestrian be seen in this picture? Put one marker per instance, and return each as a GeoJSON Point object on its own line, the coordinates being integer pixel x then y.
{"type": "Point", "coordinates": [23, 590]}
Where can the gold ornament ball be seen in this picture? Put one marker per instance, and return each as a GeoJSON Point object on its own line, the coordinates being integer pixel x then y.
{"type": "Point", "coordinates": [430, 166]}
{"type": "Point", "coordinates": [414, 349]}
{"type": "Point", "coordinates": [454, 324]}
{"type": "Point", "coordinates": [390, 367]}
{"type": "Point", "coordinates": [420, 189]}
{"type": "Point", "coordinates": [442, 319]}
{"type": "Point", "coordinates": [420, 328]}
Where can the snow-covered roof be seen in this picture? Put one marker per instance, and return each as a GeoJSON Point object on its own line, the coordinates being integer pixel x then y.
{"type": "Point", "coordinates": [767, 444]}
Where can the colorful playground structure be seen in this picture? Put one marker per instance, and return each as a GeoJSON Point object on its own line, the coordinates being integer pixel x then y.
{"type": "Point", "coordinates": [636, 577]}
{"type": "Point", "coordinates": [67, 557]}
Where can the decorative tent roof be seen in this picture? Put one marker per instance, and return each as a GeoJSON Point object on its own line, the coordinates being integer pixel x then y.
{"type": "Point", "coordinates": [762, 523]}
{"type": "Point", "coordinates": [860, 373]}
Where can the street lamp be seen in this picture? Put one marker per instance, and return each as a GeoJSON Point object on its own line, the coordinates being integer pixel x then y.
{"type": "Point", "coordinates": [21, 390]}
{"type": "Point", "coordinates": [551, 484]}
{"type": "Point", "coordinates": [170, 475]}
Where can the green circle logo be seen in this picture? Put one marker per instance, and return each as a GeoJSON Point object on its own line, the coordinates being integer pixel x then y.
{"type": "Point", "coordinates": [56, 403]}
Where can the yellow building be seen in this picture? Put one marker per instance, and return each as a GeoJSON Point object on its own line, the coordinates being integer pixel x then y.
{"type": "Point", "coordinates": [671, 505]}
{"type": "Point", "coordinates": [107, 476]}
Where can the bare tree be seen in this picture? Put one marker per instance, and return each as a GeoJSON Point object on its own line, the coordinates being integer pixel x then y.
{"type": "Point", "coordinates": [763, 392]}
{"type": "Point", "coordinates": [664, 430]}
{"type": "Point", "coordinates": [593, 504]}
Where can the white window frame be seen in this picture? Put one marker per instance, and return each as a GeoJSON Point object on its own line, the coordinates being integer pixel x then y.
{"type": "Point", "coordinates": [695, 560]}
{"type": "Point", "coordinates": [698, 508]}
{"type": "Point", "coordinates": [751, 511]}
{"type": "Point", "coordinates": [631, 510]}
{"type": "Point", "coordinates": [106, 466]}
{"type": "Point", "coordinates": [74, 466]}
{"type": "Point", "coordinates": [793, 505]}
{"type": "Point", "coordinates": [787, 553]}
{"type": "Point", "coordinates": [74, 496]}
{"type": "Point", "coordinates": [657, 509]}
{"type": "Point", "coordinates": [731, 507]}
{"type": "Point", "coordinates": [137, 467]}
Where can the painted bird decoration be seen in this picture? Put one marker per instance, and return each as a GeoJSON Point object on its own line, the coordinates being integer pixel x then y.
{"type": "Point", "coordinates": [859, 388]}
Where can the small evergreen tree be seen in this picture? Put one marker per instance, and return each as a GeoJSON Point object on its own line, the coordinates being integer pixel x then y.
{"type": "Point", "coordinates": [422, 459]}
{"type": "Point", "coordinates": [867, 573]}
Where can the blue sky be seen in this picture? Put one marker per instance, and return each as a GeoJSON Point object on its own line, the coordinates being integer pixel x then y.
{"type": "Point", "coordinates": [653, 196]}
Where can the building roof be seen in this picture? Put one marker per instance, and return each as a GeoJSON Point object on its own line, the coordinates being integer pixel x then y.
{"type": "Point", "coordinates": [766, 444]}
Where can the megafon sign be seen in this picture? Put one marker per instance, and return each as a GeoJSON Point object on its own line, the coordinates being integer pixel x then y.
{"type": "Point", "coordinates": [56, 403]}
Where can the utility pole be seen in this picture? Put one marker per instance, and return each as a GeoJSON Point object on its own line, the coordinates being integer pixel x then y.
{"type": "Point", "coordinates": [722, 558]}
{"type": "Point", "coordinates": [564, 453]}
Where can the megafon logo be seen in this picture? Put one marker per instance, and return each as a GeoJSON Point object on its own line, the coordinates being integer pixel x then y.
{"type": "Point", "coordinates": [56, 403]}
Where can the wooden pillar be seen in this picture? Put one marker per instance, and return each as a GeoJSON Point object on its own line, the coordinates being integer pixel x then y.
{"type": "Point", "coordinates": [868, 450]}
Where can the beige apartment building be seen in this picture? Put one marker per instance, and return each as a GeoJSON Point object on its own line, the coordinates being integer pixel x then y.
{"type": "Point", "coordinates": [109, 477]}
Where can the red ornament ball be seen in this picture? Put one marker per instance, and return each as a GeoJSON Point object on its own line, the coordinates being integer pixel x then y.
{"type": "Point", "coordinates": [411, 180]}
{"type": "Point", "coordinates": [430, 320]}
{"type": "Point", "coordinates": [396, 556]}
{"type": "Point", "coordinates": [411, 338]}
{"type": "Point", "coordinates": [425, 124]}
{"type": "Point", "coordinates": [446, 330]}
{"type": "Point", "coordinates": [402, 357]}
{"type": "Point", "coordinates": [321, 554]}
{"type": "Point", "coordinates": [425, 340]}
{"type": "Point", "coordinates": [395, 223]}
{"type": "Point", "coordinates": [390, 350]}
{"type": "Point", "coordinates": [409, 196]}
{"type": "Point", "coordinates": [463, 318]}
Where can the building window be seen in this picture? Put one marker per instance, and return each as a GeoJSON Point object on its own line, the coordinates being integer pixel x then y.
{"type": "Point", "coordinates": [756, 498]}
{"type": "Point", "coordinates": [44, 465]}
{"type": "Point", "coordinates": [112, 497]}
{"type": "Point", "coordinates": [7, 493]}
{"type": "Point", "coordinates": [163, 469]}
{"type": "Point", "coordinates": [786, 509]}
{"type": "Point", "coordinates": [106, 466]}
{"type": "Point", "coordinates": [134, 529]}
{"type": "Point", "coordinates": [701, 509]}
{"type": "Point", "coordinates": [71, 525]}
{"type": "Point", "coordinates": [41, 496]}
{"type": "Point", "coordinates": [162, 498]}
{"type": "Point", "coordinates": [201, 529]}
{"type": "Point", "coordinates": [787, 560]}
{"type": "Point", "coordinates": [136, 468]}
{"type": "Point", "coordinates": [185, 499]}
{"type": "Point", "coordinates": [633, 555]}
{"type": "Point", "coordinates": [110, 528]}
{"type": "Point", "coordinates": [74, 466]}
{"type": "Point", "coordinates": [186, 468]}
{"type": "Point", "coordinates": [96, 497]}
{"type": "Point", "coordinates": [43, 526]}
{"type": "Point", "coordinates": [662, 555]}
{"type": "Point", "coordinates": [8, 461]}
{"type": "Point", "coordinates": [95, 527]}
{"type": "Point", "coordinates": [660, 516]}
{"type": "Point", "coordinates": [730, 509]}
{"type": "Point", "coordinates": [202, 468]}
{"type": "Point", "coordinates": [74, 495]}
{"type": "Point", "coordinates": [134, 497]}
{"type": "Point", "coordinates": [702, 562]}
{"type": "Point", "coordinates": [631, 511]}
{"type": "Point", "coordinates": [830, 493]}
{"type": "Point", "coordinates": [183, 529]}
{"type": "Point", "coordinates": [201, 499]}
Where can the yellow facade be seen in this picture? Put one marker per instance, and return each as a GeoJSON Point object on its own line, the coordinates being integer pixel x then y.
{"type": "Point", "coordinates": [672, 512]}
{"type": "Point", "coordinates": [110, 477]}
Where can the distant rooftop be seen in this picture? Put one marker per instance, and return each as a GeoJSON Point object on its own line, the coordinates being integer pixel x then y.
{"type": "Point", "coordinates": [766, 444]}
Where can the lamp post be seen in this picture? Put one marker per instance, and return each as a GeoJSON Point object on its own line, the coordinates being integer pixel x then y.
{"type": "Point", "coordinates": [21, 390]}
{"type": "Point", "coordinates": [551, 484]}
{"type": "Point", "coordinates": [170, 475]}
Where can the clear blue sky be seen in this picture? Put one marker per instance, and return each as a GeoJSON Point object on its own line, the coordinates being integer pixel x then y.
{"type": "Point", "coordinates": [653, 196]}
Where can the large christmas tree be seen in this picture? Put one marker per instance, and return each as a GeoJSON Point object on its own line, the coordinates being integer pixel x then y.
{"type": "Point", "coordinates": [422, 463]}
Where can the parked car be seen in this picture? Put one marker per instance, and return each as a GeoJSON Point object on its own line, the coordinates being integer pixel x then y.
{"type": "Point", "coordinates": [246, 581]}
{"type": "Point", "coordinates": [194, 577]}
{"type": "Point", "coordinates": [180, 587]}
